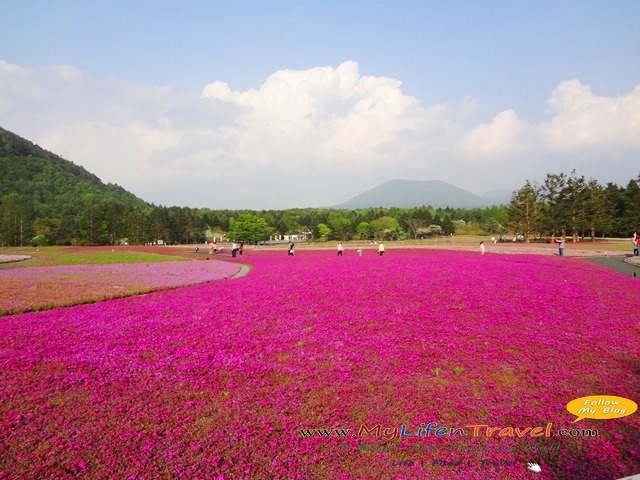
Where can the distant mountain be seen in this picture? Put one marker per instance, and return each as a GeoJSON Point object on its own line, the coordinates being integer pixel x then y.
{"type": "Point", "coordinates": [415, 193]}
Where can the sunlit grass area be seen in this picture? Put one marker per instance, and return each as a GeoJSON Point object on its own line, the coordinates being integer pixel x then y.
{"type": "Point", "coordinates": [49, 256]}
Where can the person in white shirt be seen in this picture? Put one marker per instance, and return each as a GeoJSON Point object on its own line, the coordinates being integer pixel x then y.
{"type": "Point", "coordinates": [560, 243]}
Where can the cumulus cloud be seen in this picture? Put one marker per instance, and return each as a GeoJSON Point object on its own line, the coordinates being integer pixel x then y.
{"type": "Point", "coordinates": [319, 135]}
{"type": "Point", "coordinates": [319, 117]}
{"type": "Point", "coordinates": [496, 141]}
{"type": "Point", "coordinates": [585, 120]}
{"type": "Point", "coordinates": [10, 69]}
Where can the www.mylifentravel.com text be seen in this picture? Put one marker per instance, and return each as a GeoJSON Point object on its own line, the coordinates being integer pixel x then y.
{"type": "Point", "coordinates": [455, 463]}
{"type": "Point", "coordinates": [390, 448]}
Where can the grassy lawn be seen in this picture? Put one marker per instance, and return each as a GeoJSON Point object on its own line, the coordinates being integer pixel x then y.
{"type": "Point", "coordinates": [50, 256]}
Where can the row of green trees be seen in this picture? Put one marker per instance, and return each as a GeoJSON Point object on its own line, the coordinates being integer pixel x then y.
{"type": "Point", "coordinates": [371, 223]}
{"type": "Point", "coordinates": [574, 207]}
{"type": "Point", "coordinates": [111, 222]}
{"type": "Point", "coordinates": [562, 205]}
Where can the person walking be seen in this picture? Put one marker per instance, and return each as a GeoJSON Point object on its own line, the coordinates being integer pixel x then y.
{"type": "Point", "coordinates": [635, 245]}
{"type": "Point", "coordinates": [381, 249]}
{"type": "Point", "coordinates": [234, 249]}
{"type": "Point", "coordinates": [482, 247]}
{"type": "Point", "coordinates": [241, 248]}
{"type": "Point", "coordinates": [340, 249]}
{"type": "Point", "coordinates": [291, 245]}
{"type": "Point", "coordinates": [561, 241]}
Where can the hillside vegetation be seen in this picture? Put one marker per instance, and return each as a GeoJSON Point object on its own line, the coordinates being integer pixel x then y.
{"type": "Point", "coordinates": [47, 200]}
{"type": "Point", "coordinates": [43, 195]}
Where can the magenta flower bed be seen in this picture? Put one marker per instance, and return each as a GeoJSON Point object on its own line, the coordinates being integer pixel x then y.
{"type": "Point", "coordinates": [216, 381]}
{"type": "Point", "coordinates": [36, 288]}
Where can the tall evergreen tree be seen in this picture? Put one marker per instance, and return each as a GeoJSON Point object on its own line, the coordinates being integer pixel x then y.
{"type": "Point", "coordinates": [551, 194]}
{"type": "Point", "coordinates": [524, 210]}
{"type": "Point", "coordinates": [615, 207]}
{"type": "Point", "coordinates": [630, 221]}
{"type": "Point", "coordinates": [573, 204]}
{"type": "Point", "coordinates": [595, 209]}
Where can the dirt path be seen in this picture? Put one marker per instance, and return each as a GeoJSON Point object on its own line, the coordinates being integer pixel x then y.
{"type": "Point", "coordinates": [244, 270]}
{"type": "Point", "coordinates": [13, 258]}
{"type": "Point", "coordinates": [598, 250]}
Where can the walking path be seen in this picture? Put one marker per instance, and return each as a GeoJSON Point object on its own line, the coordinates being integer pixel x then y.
{"type": "Point", "coordinates": [626, 266]}
{"type": "Point", "coordinates": [244, 270]}
{"type": "Point", "coordinates": [13, 258]}
{"type": "Point", "coordinates": [633, 261]}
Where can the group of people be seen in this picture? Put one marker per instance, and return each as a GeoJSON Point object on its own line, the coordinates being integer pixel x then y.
{"type": "Point", "coordinates": [560, 241]}
{"type": "Point", "coordinates": [213, 249]}
{"type": "Point", "coordinates": [341, 250]}
{"type": "Point", "coordinates": [237, 249]}
{"type": "Point", "coordinates": [290, 249]}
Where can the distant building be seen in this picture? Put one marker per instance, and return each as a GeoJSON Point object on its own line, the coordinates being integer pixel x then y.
{"type": "Point", "coordinates": [299, 237]}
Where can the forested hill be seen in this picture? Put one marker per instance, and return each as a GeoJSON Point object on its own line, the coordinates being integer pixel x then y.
{"type": "Point", "coordinates": [54, 184]}
{"type": "Point", "coordinates": [38, 185]}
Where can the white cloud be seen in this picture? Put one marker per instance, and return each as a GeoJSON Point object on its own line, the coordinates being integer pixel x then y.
{"type": "Point", "coordinates": [496, 141]}
{"type": "Point", "coordinates": [583, 120]}
{"type": "Point", "coordinates": [319, 135]}
{"type": "Point", "coordinates": [10, 69]}
{"type": "Point", "coordinates": [13, 88]}
{"type": "Point", "coordinates": [318, 117]}
{"type": "Point", "coordinates": [118, 153]}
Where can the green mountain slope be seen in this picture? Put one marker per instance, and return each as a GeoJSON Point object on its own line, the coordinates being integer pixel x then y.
{"type": "Point", "coordinates": [27, 169]}
{"type": "Point", "coordinates": [39, 186]}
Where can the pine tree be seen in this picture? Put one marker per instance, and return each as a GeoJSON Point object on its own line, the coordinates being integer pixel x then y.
{"type": "Point", "coordinates": [524, 210]}
{"type": "Point", "coordinates": [551, 193]}
{"type": "Point", "coordinates": [573, 202]}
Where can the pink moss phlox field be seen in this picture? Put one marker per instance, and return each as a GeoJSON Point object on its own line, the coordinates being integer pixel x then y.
{"type": "Point", "coordinates": [217, 380]}
{"type": "Point", "coordinates": [25, 289]}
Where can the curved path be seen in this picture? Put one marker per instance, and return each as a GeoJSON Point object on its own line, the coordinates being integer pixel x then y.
{"type": "Point", "coordinates": [619, 264]}
{"type": "Point", "coordinates": [244, 270]}
{"type": "Point", "coordinates": [13, 258]}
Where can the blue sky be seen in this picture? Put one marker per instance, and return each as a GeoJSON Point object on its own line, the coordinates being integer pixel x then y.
{"type": "Point", "coordinates": [483, 95]}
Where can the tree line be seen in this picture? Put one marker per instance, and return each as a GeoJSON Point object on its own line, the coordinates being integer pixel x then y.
{"type": "Point", "coordinates": [47, 200]}
{"type": "Point", "coordinates": [571, 206]}
{"type": "Point", "coordinates": [111, 222]}
{"type": "Point", "coordinates": [563, 205]}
